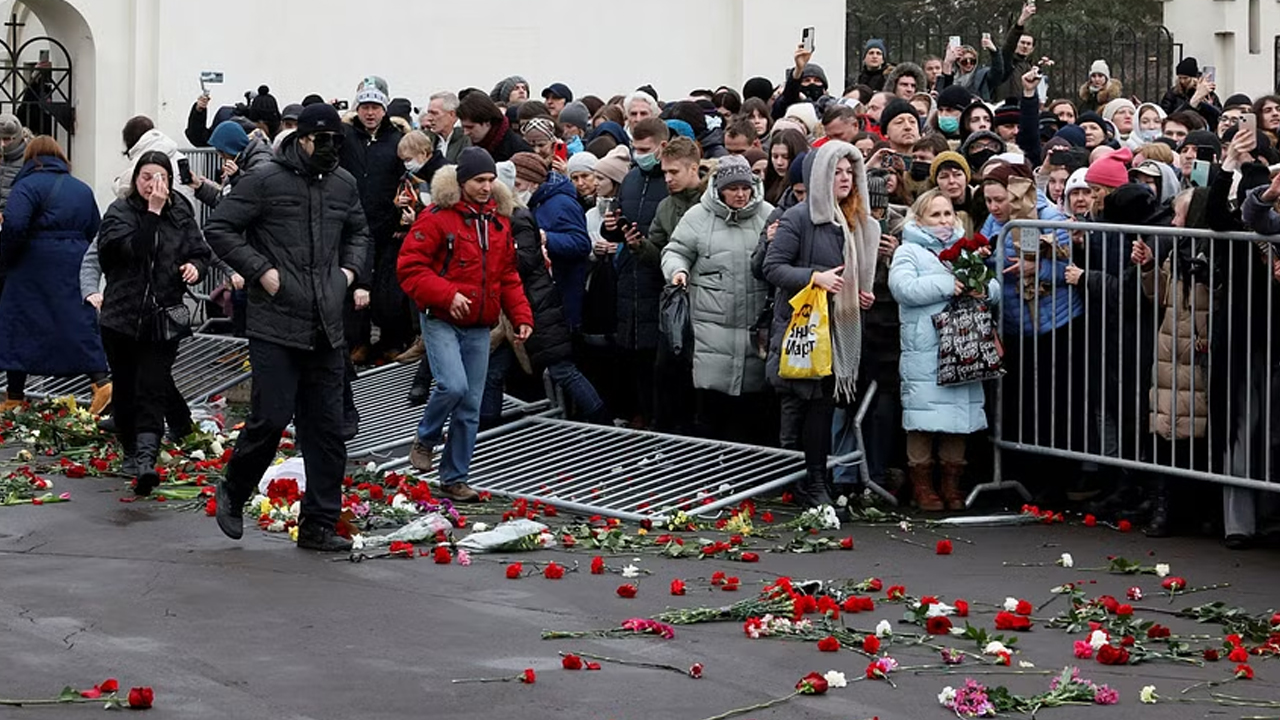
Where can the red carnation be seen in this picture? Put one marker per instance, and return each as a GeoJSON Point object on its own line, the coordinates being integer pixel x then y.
{"type": "Point", "coordinates": [553, 571]}
{"type": "Point", "coordinates": [766, 517]}
{"type": "Point", "coordinates": [1174, 583]}
{"type": "Point", "coordinates": [1211, 654]}
{"type": "Point", "coordinates": [1158, 631]}
{"type": "Point", "coordinates": [962, 608]}
{"type": "Point", "coordinates": [846, 543]}
{"type": "Point", "coordinates": [940, 625]}
{"type": "Point", "coordinates": [1112, 655]}
{"type": "Point", "coordinates": [1090, 521]}
{"type": "Point", "coordinates": [443, 556]}
{"type": "Point", "coordinates": [1244, 672]}
{"type": "Point", "coordinates": [677, 587]}
{"type": "Point", "coordinates": [730, 584]}
{"type": "Point", "coordinates": [750, 557]}
{"type": "Point", "coordinates": [1024, 607]}
{"type": "Point", "coordinates": [627, 591]}
{"type": "Point", "coordinates": [871, 644]}
{"type": "Point", "coordinates": [896, 592]}
{"type": "Point", "coordinates": [829, 644]}
{"type": "Point", "coordinates": [717, 577]}
{"type": "Point", "coordinates": [571, 662]}
{"type": "Point", "coordinates": [1108, 602]}
{"type": "Point", "coordinates": [528, 677]}
{"type": "Point", "coordinates": [1124, 610]}
{"type": "Point", "coordinates": [140, 698]}
{"type": "Point", "coordinates": [597, 565]}
{"type": "Point", "coordinates": [1238, 655]}
{"type": "Point", "coordinates": [1124, 526]}
{"type": "Point", "coordinates": [514, 570]}
{"type": "Point", "coordinates": [944, 547]}
{"type": "Point", "coordinates": [1008, 621]}
{"type": "Point", "coordinates": [1275, 620]}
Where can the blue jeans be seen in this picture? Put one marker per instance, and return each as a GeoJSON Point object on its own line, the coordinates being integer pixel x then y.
{"type": "Point", "coordinates": [459, 359]}
{"type": "Point", "coordinates": [564, 373]}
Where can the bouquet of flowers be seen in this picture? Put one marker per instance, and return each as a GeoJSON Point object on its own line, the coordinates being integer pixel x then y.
{"type": "Point", "coordinates": [968, 262]}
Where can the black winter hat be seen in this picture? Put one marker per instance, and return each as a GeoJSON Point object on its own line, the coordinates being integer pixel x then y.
{"type": "Point", "coordinates": [954, 97]}
{"type": "Point", "coordinates": [401, 108]}
{"type": "Point", "coordinates": [1007, 114]}
{"type": "Point", "coordinates": [264, 108]}
{"type": "Point", "coordinates": [1203, 138]}
{"type": "Point", "coordinates": [758, 87]}
{"type": "Point", "coordinates": [312, 99]}
{"type": "Point", "coordinates": [1238, 100]}
{"type": "Point", "coordinates": [475, 161]}
{"type": "Point", "coordinates": [1090, 116]}
{"type": "Point", "coordinates": [1131, 204]}
{"type": "Point", "coordinates": [896, 107]}
{"type": "Point", "coordinates": [1188, 68]}
{"type": "Point", "coordinates": [321, 117]}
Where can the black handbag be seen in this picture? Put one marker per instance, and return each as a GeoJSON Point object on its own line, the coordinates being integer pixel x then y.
{"type": "Point", "coordinates": [162, 323]}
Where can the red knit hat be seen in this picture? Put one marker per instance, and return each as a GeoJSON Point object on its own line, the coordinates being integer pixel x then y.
{"type": "Point", "coordinates": [1110, 170]}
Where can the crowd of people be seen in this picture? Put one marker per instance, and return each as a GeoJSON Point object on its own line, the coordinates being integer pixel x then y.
{"type": "Point", "coordinates": [491, 236]}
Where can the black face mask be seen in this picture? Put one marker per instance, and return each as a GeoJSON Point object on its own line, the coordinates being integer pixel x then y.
{"type": "Point", "coordinates": [325, 154]}
{"type": "Point", "coordinates": [919, 171]}
{"type": "Point", "coordinates": [813, 92]}
{"type": "Point", "coordinates": [978, 158]}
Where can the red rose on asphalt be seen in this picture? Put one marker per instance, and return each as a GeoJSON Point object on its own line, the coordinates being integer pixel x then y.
{"type": "Point", "coordinates": [1124, 526]}
{"type": "Point", "coordinates": [1024, 607]}
{"type": "Point", "coordinates": [1244, 672]}
{"type": "Point", "coordinates": [787, 497]}
{"type": "Point", "coordinates": [553, 571]}
{"type": "Point", "coordinates": [1158, 631]}
{"type": "Point", "coordinates": [750, 557]}
{"type": "Point", "coordinates": [846, 543]}
{"type": "Point", "coordinates": [940, 625]}
{"type": "Point", "coordinates": [1174, 583]}
{"type": "Point", "coordinates": [944, 547]}
{"type": "Point", "coordinates": [812, 684]}
{"type": "Point", "coordinates": [514, 570]}
{"type": "Point", "coordinates": [871, 644]}
{"type": "Point", "coordinates": [717, 577]}
{"type": "Point", "coordinates": [1112, 655]}
{"type": "Point", "coordinates": [766, 517]}
{"type": "Point", "coordinates": [597, 565]}
{"type": "Point", "coordinates": [677, 587]}
{"type": "Point", "coordinates": [928, 600]}
{"type": "Point", "coordinates": [627, 591]}
{"type": "Point", "coordinates": [695, 671]}
{"type": "Point", "coordinates": [1234, 640]}
{"type": "Point", "coordinates": [140, 698]}
{"type": "Point", "coordinates": [1110, 603]}
{"type": "Point", "coordinates": [874, 585]}
{"type": "Point", "coordinates": [443, 556]}
{"type": "Point", "coordinates": [109, 685]}
{"type": "Point", "coordinates": [828, 644]}
{"type": "Point", "coordinates": [1124, 610]}
{"type": "Point", "coordinates": [1008, 621]}
{"type": "Point", "coordinates": [1211, 654]}
{"type": "Point", "coordinates": [1238, 655]}
{"type": "Point", "coordinates": [730, 584]}
{"type": "Point", "coordinates": [401, 548]}
{"type": "Point", "coordinates": [528, 677]}
{"type": "Point", "coordinates": [896, 592]}
{"type": "Point", "coordinates": [962, 608]}
{"type": "Point", "coordinates": [1128, 641]}
{"type": "Point", "coordinates": [571, 662]}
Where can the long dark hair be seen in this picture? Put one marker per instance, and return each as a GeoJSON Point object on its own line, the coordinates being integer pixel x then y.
{"type": "Point", "coordinates": [774, 184]}
{"type": "Point", "coordinates": [153, 157]}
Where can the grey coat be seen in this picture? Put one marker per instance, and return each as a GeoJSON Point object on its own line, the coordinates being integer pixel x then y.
{"type": "Point", "coordinates": [713, 245]}
{"type": "Point", "coordinates": [10, 164]}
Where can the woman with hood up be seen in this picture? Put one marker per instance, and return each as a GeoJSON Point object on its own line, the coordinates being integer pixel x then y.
{"type": "Point", "coordinates": [831, 240]}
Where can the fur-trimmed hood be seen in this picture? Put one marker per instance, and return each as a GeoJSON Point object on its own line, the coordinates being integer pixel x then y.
{"type": "Point", "coordinates": [446, 192]}
{"type": "Point", "coordinates": [905, 68]}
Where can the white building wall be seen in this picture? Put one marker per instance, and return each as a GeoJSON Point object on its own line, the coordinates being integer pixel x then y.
{"type": "Point", "coordinates": [1236, 36]}
{"type": "Point", "coordinates": [144, 56]}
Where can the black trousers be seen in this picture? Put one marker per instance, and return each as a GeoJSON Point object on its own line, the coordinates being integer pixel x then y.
{"type": "Point", "coordinates": [142, 384]}
{"type": "Point", "coordinates": [310, 381]}
{"type": "Point", "coordinates": [806, 425]}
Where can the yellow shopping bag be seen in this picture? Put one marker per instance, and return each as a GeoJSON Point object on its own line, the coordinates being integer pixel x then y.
{"type": "Point", "coordinates": [806, 348]}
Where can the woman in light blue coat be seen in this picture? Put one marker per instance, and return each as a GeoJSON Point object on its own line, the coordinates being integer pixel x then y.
{"type": "Point", "coordinates": [923, 285]}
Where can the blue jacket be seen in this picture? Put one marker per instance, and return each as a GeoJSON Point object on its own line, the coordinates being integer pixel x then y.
{"type": "Point", "coordinates": [555, 207]}
{"type": "Point", "coordinates": [923, 287]}
{"type": "Point", "coordinates": [46, 327]}
{"type": "Point", "coordinates": [1055, 307]}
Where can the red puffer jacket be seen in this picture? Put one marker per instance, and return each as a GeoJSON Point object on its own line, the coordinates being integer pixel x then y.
{"type": "Point", "coordinates": [462, 248]}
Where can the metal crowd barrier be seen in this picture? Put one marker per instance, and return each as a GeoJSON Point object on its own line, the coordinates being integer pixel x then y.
{"type": "Point", "coordinates": [387, 421]}
{"type": "Point", "coordinates": [1111, 388]}
{"type": "Point", "coordinates": [630, 474]}
{"type": "Point", "coordinates": [206, 365]}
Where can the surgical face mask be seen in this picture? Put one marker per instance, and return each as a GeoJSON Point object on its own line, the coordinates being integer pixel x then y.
{"type": "Point", "coordinates": [978, 158]}
{"type": "Point", "coordinates": [813, 92]}
{"type": "Point", "coordinates": [942, 232]}
{"type": "Point", "coordinates": [523, 196]}
{"type": "Point", "coordinates": [919, 171]}
{"type": "Point", "coordinates": [949, 125]}
{"type": "Point", "coordinates": [1146, 136]}
{"type": "Point", "coordinates": [647, 161]}
{"type": "Point", "coordinates": [413, 166]}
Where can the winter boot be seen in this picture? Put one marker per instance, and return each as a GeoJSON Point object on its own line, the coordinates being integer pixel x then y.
{"type": "Point", "coordinates": [128, 458]}
{"type": "Point", "coordinates": [812, 492]}
{"type": "Point", "coordinates": [147, 479]}
{"type": "Point", "coordinates": [950, 485]}
{"type": "Point", "coordinates": [921, 478]}
{"type": "Point", "coordinates": [312, 536]}
{"type": "Point", "coordinates": [1158, 526]}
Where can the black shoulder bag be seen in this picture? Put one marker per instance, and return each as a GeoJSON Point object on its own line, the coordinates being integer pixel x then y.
{"type": "Point", "coordinates": [161, 323]}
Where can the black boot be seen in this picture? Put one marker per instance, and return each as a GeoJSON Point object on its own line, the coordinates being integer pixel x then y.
{"type": "Point", "coordinates": [128, 460]}
{"type": "Point", "coordinates": [312, 536]}
{"type": "Point", "coordinates": [812, 492]}
{"type": "Point", "coordinates": [1158, 527]}
{"type": "Point", "coordinates": [230, 511]}
{"type": "Point", "coordinates": [147, 479]}
{"type": "Point", "coordinates": [421, 388]}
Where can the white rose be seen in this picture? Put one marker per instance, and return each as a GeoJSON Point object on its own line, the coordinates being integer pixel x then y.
{"type": "Point", "coordinates": [884, 629]}
{"type": "Point", "coordinates": [1162, 569]}
{"type": "Point", "coordinates": [215, 448]}
{"type": "Point", "coordinates": [1011, 604]}
{"type": "Point", "coordinates": [947, 696]}
{"type": "Point", "coordinates": [1148, 695]}
{"type": "Point", "coordinates": [479, 527]}
{"type": "Point", "coordinates": [995, 647]}
{"type": "Point", "coordinates": [197, 455]}
{"type": "Point", "coordinates": [371, 467]}
{"type": "Point", "coordinates": [357, 542]}
{"type": "Point", "coordinates": [939, 609]}
{"type": "Point", "coordinates": [835, 679]}
{"type": "Point", "coordinates": [1066, 560]}
{"type": "Point", "coordinates": [400, 501]}
{"type": "Point", "coordinates": [1097, 639]}
{"type": "Point", "coordinates": [630, 571]}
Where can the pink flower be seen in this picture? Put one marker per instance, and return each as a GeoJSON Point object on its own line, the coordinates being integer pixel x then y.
{"type": "Point", "coordinates": [1083, 649]}
{"type": "Point", "coordinates": [464, 558]}
{"type": "Point", "coordinates": [1106, 696]}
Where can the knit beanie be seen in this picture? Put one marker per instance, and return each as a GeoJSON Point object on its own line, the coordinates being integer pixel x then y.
{"type": "Point", "coordinates": [577, 115]}
{"type": "Point", "coordinates": [1099, 67]}
{"type": "Point", "coordinates": [1073, 134]}
{"type": "Point", "coordinates": [1188, 68]}
{"type": "Point", "coordinates": [10, 126]}
{"type": "Point", "coordinates": [1203, 138]}
{"type": "Point", "coordinates": [813, 70]}
{"type": "Point", "coordinates": [879, 45]}
{"type": "Point", "coordinates": [581, 162]}
{"type": "Point", "coordinates": [1110, 109]}
{"type": "Point", "coordinates": [615, 165]}
{"type": "Point", "coordinates": [758, 87]}
{"type": "Point", "coordinates": [682, 128]}
{"type": "Point", "coordinates": [1130, 204]}
{"type": "Point", "coordinates": [949, 158]}
{"type": "Point", "coordinates": [503, 89]}
{"type": "Point", "coordinates": [321, 117]}
{"type": "Point", "coordinates": [954, 97]}
{"type": "Point", "coordinates": [229, 138]}
{"type": "Point", "coordinates": [1007, 114]}
{"type": "Point", "coordinates": [373, 89]}
{"type": "Point", "coordinates": [539, 129]}
{"type": "Point", "coordinates": [530, 167]}
{"type": "Point", "coordinates": [473, 161]}
{"type": "Point", "coordinates": [1090, 116]}
{"type": "Point", "coordinates": [896, 107]}
{"type": "Point", "coordinates": [733, 170]}
{"type": "Point", "coordinates": [506, 173]}
{"type": "Point", "coordinates": [264, 107]}
{"type": "Point", "coordinates": [1002, 172]}
{"type": "Point", "coordinates": [1076, 182]}
{"type": "Point", "coordinates": [806, 114]}
{"type": "Point", "coordinates": [401, 108]}
{"type": "Point", "coordinates": [1239, 100]}
{"type": "Point", "coordinates": [877, 189]}
{"type": "Point", "coordinates": [1109, 170]}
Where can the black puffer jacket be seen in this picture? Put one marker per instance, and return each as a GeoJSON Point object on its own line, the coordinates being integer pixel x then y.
{"type": "Point", "coordinates": [133, 241]}
{"type": "Point", "coordinates": [306, 226]}
{"type": "Point", "coordinates": [552, 342]}
{"type": "Point", "coordinates": [373, 161]}
{"type": "Point", "coordinates": [639, 277]}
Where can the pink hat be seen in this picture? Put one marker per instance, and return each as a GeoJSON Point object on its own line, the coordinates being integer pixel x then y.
{"type": "Point", "coordinates": [1110, 170]}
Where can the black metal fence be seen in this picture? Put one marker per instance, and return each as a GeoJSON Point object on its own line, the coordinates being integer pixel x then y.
{"type": "Point", "coordinates": [1141, 57]}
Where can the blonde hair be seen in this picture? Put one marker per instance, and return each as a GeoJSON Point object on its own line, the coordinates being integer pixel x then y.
{"type": "Point", "coordinates": [1157, 151]}
{"type": "Point", "coordinates": [921, 205]}
{"type": "Point", "coordinates": [415, 142]}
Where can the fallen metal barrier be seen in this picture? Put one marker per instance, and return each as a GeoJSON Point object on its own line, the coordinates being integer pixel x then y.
{"type": "Point", "coordinates": [206, 365]}
{"type": "Point", "coordinates": [387, 421]}
{"type": "Point", "coordinates": [629, 474]}
{"type": "Point", "coordinates": [1170, 370]}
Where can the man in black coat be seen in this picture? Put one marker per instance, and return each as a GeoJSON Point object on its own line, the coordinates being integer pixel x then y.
{"type": "Point", "coordinates": [369, 153]}
{"type": "Point", "coordinates": [296, 232]}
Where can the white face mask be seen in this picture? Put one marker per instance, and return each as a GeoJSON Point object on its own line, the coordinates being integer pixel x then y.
{"type": "Point", "coordinates": [413, 166]}
{"type": "Point", "coordinates": [523, 196]}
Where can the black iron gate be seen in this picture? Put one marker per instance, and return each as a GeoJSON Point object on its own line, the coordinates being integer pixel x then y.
{"type": "Point", "coordinates": [35, 85]}
{"type": "Point", "coordinates": [1143, 58]}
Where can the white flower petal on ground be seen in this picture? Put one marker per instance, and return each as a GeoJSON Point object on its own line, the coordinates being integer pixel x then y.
{"type": "Point", "coordinates": [1025, 664]}
{"type": "Point", "coordinates": [1066, 560]}
{"type": "Point", "coordinates": [630, 571]}
{"type": "Point", "coordinates": [1011, 604]}
{"type": "Point", "coordinates": [995, 647]}
{"type": "Point", "coordinates": [835, 679]}
{"type": "Point", "coordinates": [1148, 695]}
{"type": "Point", "coordinates": [1162, 569]}
{"type": "Point", "coordinates": [947, 696]}
{"type": "Point", "coordinates": [1098, 638]}
{"type": "Point", "coordinates": [883, 629]}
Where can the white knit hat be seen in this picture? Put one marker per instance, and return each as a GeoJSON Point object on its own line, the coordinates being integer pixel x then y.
{"type": "Point", "coordinates": [1100, 67]}
{"type": "Point", "coordinates": [1075, 182]}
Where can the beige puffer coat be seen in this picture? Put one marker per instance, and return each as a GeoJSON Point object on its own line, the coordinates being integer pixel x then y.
{"type": "Point", "coordinates": [1181, 347]}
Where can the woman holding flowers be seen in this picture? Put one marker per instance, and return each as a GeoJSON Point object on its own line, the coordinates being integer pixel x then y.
{"type": "Point", "coordinates": [924, 281]}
